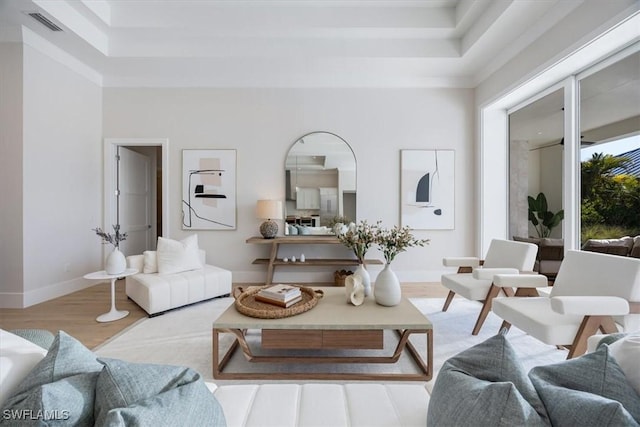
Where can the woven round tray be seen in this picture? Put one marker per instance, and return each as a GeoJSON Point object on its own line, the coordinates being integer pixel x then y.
{"type": "Point", "coordinates": [246, 303]}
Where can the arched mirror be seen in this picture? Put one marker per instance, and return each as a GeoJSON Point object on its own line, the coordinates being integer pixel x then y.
{"type": "Point", "coordinates": [320, 180]}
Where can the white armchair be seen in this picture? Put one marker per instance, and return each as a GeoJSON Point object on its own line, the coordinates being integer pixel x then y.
{"type": "Point", "coordinates": [592, 292]}
{"type": "Point", "coordinates": [474, 278]}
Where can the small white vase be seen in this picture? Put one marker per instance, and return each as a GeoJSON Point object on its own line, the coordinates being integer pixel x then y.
{"type": "Point", "coordinates": [387, 291]}
{"type": "Point", "coordinates": [366, 278]}
{"type": "Point", "coordinates": [116, 262]}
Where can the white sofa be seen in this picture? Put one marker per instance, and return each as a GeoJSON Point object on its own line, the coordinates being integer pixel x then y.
{"type": "Point", "coordinates": [279, 404]}
{"type": "Point", "coordinates": [156, 293]}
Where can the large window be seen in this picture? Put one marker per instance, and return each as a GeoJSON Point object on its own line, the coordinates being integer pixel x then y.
{"type": "Point", "coordinates": [609, 139]}
{"type": "Point", "coordinates": [609, 111]}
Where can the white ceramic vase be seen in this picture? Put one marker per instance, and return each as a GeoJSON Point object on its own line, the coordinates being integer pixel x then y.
{"type": "Point", "coordinates": [116, 262]}
{"type": "Point", "coordinates": [387, 290]}
{"type": "Point", "coordinates": [366, 279]}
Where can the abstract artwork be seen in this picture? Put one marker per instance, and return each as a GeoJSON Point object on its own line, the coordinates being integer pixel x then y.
{"type": "Point", "coordinates": [209, 189]}
{"type": "Point", "coordinates": [427, 189]}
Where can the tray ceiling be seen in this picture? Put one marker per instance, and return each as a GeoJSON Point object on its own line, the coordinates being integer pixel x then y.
{"type": "Point", "coordinates": [279, 43]}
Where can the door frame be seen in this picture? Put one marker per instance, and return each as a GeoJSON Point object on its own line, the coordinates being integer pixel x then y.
{"type": "Point", "coordinates": [110, 175]}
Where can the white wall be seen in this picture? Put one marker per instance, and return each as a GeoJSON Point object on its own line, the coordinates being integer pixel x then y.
{"type": "Point", "coordinates": [261, 124]}
{"type": "Point", "coordinates": [62, 180]}
{"type": "Point", "coordinates": [11, 174]}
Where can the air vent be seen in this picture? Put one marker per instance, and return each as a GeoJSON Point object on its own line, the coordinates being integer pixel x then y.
{"type": "Point", "coordinates": [44, 21]}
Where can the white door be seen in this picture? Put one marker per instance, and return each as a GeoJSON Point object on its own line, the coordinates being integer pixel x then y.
{"type": "Point", "coordinates": [134, 200]}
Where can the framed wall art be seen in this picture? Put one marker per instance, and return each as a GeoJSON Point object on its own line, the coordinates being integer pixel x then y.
{"type": "Point", "coordinates": [427, 179]}
{"type": "Point", "coordinates": [208, 189]}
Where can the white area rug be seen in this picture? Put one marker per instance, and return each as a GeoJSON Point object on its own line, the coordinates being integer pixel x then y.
{"type": "Point", "coordinates": [183, 337]}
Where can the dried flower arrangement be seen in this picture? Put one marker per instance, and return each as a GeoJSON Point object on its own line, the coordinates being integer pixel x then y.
{"type": "Point", "coordinates": [114, 238]}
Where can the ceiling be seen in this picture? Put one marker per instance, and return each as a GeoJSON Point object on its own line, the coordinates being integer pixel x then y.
{"type": "Point", "coordinates": [289, 43]}
{"type": "Point", "coordinates": [322, 43]}
{"type": "Point", "coordinates": [609, 108]}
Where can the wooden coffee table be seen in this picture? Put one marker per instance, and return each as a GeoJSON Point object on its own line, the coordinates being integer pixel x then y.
{"type": "Point", "coordinates": [331, 325]}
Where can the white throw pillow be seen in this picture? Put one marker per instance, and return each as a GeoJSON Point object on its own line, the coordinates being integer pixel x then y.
{"type": "Point", "coordinates": [17, 358]}
{"type": "Point", "coordinates": [176, 256]}
{"type": "Point", "coordinates": [150, 262]}
{"type": "Point", "coordinates": [626, 351]}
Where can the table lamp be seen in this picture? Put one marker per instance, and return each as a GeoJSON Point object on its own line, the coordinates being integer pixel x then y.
{"type": "Point", "coordinates": [269, 210]}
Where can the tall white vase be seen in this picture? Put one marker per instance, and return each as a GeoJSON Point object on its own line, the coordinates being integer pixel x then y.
{"type": "Point", "coordinates": [116, 262]}
{"type": "Point", "coordinates": [387, 290]}
{"type": "Point", "coordinates": [366, 278]}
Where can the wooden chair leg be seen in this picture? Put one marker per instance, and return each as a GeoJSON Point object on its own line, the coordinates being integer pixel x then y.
{"type": "Point", "coordinates": [448, 300]}
{"type": "Point", "coordinates": [486, 308]}
{"type": "Point", "coordinates": [608, 325]}
{"type": "Point", "coordinates": [527, 292]}
{"type": "Point", "coordinates": [589, 326]}
{"type": "Point", "coordinates": [504, 328]}
{"type": "Point", "coordinates": [507, 292]}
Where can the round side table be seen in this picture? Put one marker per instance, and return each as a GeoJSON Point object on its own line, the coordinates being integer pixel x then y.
{"type": "Point", "coordinates": [113, 314]}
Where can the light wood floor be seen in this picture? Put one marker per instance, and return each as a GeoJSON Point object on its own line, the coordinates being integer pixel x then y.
{"type": "Point", "coordinates": [76, 313]}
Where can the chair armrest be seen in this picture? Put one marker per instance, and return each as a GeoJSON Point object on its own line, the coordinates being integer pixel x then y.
{"type": "Point", "coordinates": [488, 273]}
{"type": "Point", "coordinates": [461, 261]}
{"type": "Point", "coordinates": [590, 305]}
{"type": "Point", "coordinates": [521, 281]}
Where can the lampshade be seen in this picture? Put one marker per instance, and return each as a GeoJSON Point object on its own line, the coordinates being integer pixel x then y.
{"type": "Point", "coordinates": [269, 209]}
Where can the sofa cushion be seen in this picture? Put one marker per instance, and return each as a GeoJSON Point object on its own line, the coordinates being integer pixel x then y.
{"type": "Point", "coordinates": [150, 262]}
{"type": "Point", "coordinates": [551, 249]}
{"type": "Point", "coordinates": [621, 246]}
{"type": "Point", "coordinates": [177, 256]}
{"type": "Point", "coordinates": [534, 240]}
{"type": "Point", "coordinates": [626, 352]}
{"type": "Point", "coordinates": [156, 293]}
{"type": "Point", "coordinates": [635, 249]}
{"type": "Point", "coordinates": [152, 395]}
{"type": "Point", "coordinates": [364, 404]}
{"type": "Point", "coordinates": [61, 385]}
{"type": "Point", "coordinates": [485, 385]}
{"type": "Point", "coordinates": [590, 390]}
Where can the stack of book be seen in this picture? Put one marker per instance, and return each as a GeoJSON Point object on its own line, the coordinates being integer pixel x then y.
{"type": "Point", "coordinates": [280, 295]}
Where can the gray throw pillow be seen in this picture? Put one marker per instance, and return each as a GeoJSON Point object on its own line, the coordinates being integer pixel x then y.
{"type": "Point", "coordinates": [59, 390]}
{"type": "Point", "coordinates": [485, 385]}
{"type": "Point", "coordinates": [153, 395]}
{"type": "Point", "coordinates": [590, 390]}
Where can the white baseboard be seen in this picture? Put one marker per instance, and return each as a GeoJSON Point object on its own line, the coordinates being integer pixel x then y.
{"type": "Point", "coordinates": [55, 290]}
{"type": "Point", "coordinates": [11, 300]}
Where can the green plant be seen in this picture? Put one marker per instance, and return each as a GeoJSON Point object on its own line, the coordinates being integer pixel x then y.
{"type": "Point", "coordinates": [542, 219]}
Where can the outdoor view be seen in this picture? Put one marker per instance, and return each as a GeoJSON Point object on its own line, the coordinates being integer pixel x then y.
{"type": "Point", "coordinates": [610, 189]}
{"type": "Point", "coordinates": [610, 154]}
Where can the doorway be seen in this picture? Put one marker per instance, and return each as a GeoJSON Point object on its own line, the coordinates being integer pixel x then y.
{"type": "Point", "coordinates": [136, 191]}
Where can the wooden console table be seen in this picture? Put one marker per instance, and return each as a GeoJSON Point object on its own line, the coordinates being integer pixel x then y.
{"type": "Point", "coordinates": [275, 243]}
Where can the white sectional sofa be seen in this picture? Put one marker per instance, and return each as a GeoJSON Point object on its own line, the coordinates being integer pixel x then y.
{"type": "Point", "coordinates": [277, 404]}
{"type": "Point", "coordinates": [156, 292]}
